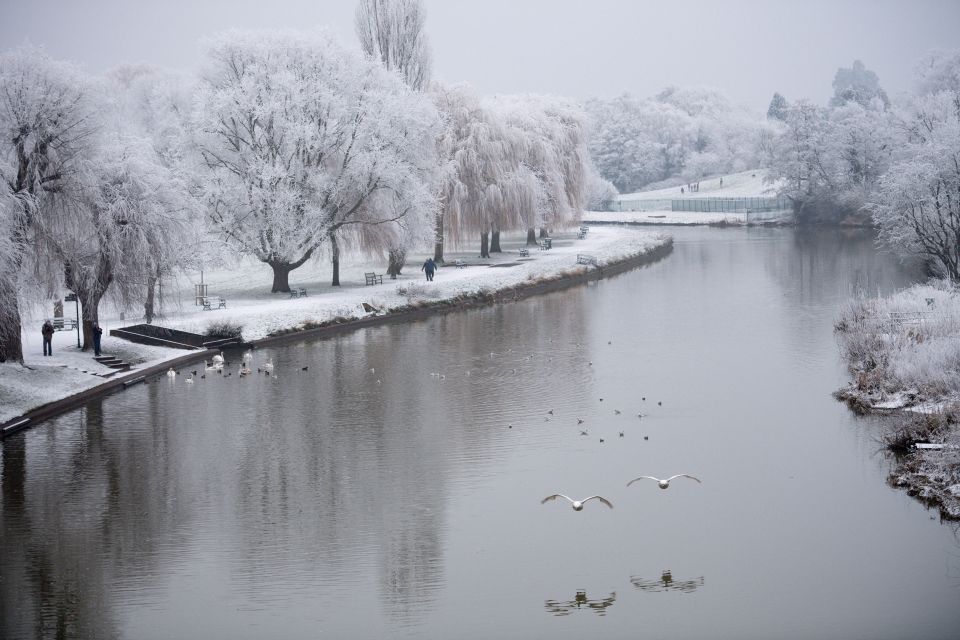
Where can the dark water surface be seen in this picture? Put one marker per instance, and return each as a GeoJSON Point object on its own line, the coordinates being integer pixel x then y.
{"type": "Point", "coordinates": [324, 503]}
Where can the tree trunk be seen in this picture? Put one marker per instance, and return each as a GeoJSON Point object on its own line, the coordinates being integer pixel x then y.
{"type": "Point", "coordinates": [148, 304]}
{"type": "Point", "coordinates": [335, 255]}
{"type": "Point", "coordinates": [485, 244]}
{"type": "Point", "coordinates": [438, 240]}
{"type": "Point", "coordinates": [531, 237]}
{"type": "Point", "coordinates": [281, 277]}
{"type": "Point", "coordinates": [543, 232]}
{"type": "Point", "coordinates": [11, 347]}
{"type": "Point", "coordinates": [397, 259]}
{"type": "Point", "coordinates": [495, 242]}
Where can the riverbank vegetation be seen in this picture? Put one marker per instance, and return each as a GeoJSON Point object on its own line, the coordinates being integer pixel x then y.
{"type": "Point", "coordinates": [903, 352]}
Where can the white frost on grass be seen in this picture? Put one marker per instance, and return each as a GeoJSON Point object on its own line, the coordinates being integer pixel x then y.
{"type": "Point", "coordinates": [745, 184]}
{"type": "Point", "coordinates": [246, 287]}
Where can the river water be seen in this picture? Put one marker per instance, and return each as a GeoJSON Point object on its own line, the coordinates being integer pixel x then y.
{"type": "Point", "coordinates": [366, 497]}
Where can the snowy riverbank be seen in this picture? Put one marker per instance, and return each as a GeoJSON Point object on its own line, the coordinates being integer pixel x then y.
{"type": "Point", "coordinates": [246, 288]}
{"type": "Point", "coordinates": [904, 354]}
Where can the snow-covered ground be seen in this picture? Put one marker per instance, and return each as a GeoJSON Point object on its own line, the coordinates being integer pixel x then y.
{"type": "Point", "coordinates": [746, 184]}
{"type": "Point", "coordinates": [246, 287]}
{"type": "Point", "coordinates": [663, 217]}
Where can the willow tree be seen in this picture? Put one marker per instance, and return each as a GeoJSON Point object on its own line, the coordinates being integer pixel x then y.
{"type": "Point", "coordinates": [392, 32]}
{"type": "Point", "coordinates": [551, 134]}
{"type": "Point", "coordinates": [484, 183]}
{"type": "Point", "coordinates": [44, 123]}
{"type": "Point", "coordinates": [302, 137]}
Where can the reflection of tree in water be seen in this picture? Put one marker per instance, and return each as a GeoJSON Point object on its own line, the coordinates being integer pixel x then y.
{"type": "Point", "coordinates": [580, 602]}
{"type": "Point", "coordinates": [667, 583]}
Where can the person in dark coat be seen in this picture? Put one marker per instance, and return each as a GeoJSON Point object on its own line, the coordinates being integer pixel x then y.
{"type": "Point", "coordinates": [47, 331]}
{"type": "Point", "coordinates": [429, 267]}
{"type": "Point", "coordinates": [97, 332]}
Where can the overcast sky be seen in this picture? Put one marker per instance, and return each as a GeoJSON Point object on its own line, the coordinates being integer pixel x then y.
{"type": "Point", "coordinates": [748, 48]}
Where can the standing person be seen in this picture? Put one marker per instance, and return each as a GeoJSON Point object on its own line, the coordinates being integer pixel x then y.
{"type": "Point", "coordinates": [429, 267]}
{"type": "Point", "coordinates": [47, 332]}
{"type": "Point", "coordinates": [97, 332]}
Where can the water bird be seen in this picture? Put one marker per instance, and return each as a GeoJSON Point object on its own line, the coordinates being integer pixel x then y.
{"type": "Point", "coordinates": [245, 370]}
{"type": "Point", "coordinates": [373, 370]}
{"type": "Point", "coordinates": [189, 380]}
{"type": "Point", "coordinates": [583, 432]}
{"type": "Point", "coordinates": [616, 411]}
{"type": "Point", "coordinates": [193, 373]}
{"type": "Point", "coordinates": [577, 504]}
{"type": "Point", "coordinates": [621, 434]}
{"type": "Point", "coordinates": [644, 398]}
{"type": "Point", "coordinates": [601, 440]}
{"type": "Point", "coordinates": [601, 399]}
{"type": "Point", "coordinates": [304, 368]}
{"type": "Point", "coordinates": [509, 426]}
{"type": "Point", "coordinates": [171, 373]}
{"type": "Point", "coordinates": [203, 377]}
{"type": "Point", "coordinates": [550, 411]}
{"type": "Point", "coordinates": [378, 381]}
{"type": "Point", "coordinates": [266, 373]}
{"type": "Point", "coordinates": [268, 366]}
{"type": "Point", "coordinates": [579, 420]}
{"type": "Point", "coordinates": [218, 359]}
{"type": "Point", "coordinates": [646, 437]}
{"type": "Point", "coordinates": [659, 404]}
{"type": "Point", "coordinates": [663, 484]}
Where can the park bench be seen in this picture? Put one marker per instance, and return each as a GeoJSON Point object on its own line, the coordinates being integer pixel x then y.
{"type": "Point", "coordinates": [208, 303]}
{"type": "Point", "coordinates": [64, 324]}
{"type": "Point", "coordinates": [298, 293]}
{"type": "Point", "coordinates": [581, 235]}
{"type": "Point", "coordinates": [583, 258]}
{"type": "Point", "coordinates": [524, 252]}
{"type": "Point", "coordinates": [373, 278]}
{"type": "Point", "coordinates": [546, 243]}
{"type": "Point", "coordinates": [459, 264]}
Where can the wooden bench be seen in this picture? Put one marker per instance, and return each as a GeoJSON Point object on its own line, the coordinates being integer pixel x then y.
{"type": "Point", "coordinates": [546, 243]}
{"type": "Point", "coordinates": [583, 258]}
{"type": "Point", "coordinates": [64, 324]}
{"type": "Point", "coordinates": [459, 264]}
{"type": "Point", "coordinates": [581, 234]}
{"type": "Point", "coordinates": [298, 293]}
{"type": "Point", "coordinates": [373, 278]}
{"type": "Point", "coordinates": [524, 252]}
{"type": "Point", "coordinates": [208, 303]}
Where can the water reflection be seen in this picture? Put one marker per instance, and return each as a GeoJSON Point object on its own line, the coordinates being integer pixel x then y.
{"type": "Point", "coordinates": [666, 583]}
{"type": "Point", "coordinates": [580, 602]}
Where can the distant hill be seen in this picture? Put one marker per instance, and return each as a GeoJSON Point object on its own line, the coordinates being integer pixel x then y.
{"type": "Point", "coordinates": [735, 185]}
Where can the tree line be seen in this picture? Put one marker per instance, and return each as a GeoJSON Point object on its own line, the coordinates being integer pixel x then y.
{"type": "Point", "coordinates": [286, 146]}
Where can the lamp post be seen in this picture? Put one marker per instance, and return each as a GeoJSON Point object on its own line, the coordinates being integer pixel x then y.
{"type": "Point", "coordinates": [72, 297]}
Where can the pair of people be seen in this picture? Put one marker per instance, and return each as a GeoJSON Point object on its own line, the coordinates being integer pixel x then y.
{"type": "Point", "coordinates": [47, 332]}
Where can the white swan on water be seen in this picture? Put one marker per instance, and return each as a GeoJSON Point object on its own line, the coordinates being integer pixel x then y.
{"type": "Point", "coordinates": [171, 373]}
{"type": "Point", "coordinates": [268, 366]}
{"type": "Point", "coordinates": [218, 359]}
{"type": "Point", "coordinates": [663, 484]}
{"type": "Point", "coordinates": [577, 504]}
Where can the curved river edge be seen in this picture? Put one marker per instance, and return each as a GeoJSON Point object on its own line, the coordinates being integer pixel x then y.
{"type": "Point", "coordinates": [926, 474]}
{"type": "Point", "coordinates": [414, 311]}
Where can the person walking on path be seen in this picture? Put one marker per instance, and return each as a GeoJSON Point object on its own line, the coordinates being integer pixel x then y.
{"type": "Point", "coordinates": [47, 331]}
{"type": "Point", "coordinates": [97, 332]}
{"type": "Point", "coordinates": [429, 267]}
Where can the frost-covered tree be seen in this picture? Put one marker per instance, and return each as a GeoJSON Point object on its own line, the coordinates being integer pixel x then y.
{"type": "Point", "coordinates": [44, 123]}
{"type": "Point", "coordinates": [778, 108]}
{"type": "Point", "coordinates": [918, 210]}
{"type": "Point", "coordinates": [857, 84]}
{"type": "Point", "coordinates": [939, 71]}
{"type": "Point", "coordinates": [481, 189]}
{"type": "Point", "coordinates": [306, 140]}
{"type": "Point", "coordinates": [392, 31]}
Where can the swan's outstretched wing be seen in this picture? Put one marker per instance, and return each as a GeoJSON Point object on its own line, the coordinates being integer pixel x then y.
{"type": "Point", "coordinates": [683, 475]}
{"type": "Point", "coordinates": [601, 499]}
{"type": "Point", "coordinates": [643, 478]}
{"type": "Point", "coordinates": [554, 497]}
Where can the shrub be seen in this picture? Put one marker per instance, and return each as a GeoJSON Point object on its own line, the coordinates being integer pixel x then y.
{"type": "Point", "coordinates": [224, 329]}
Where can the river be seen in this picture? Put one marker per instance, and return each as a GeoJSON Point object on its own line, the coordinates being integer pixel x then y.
{"type": "Point", "coordinates": [392, 488]}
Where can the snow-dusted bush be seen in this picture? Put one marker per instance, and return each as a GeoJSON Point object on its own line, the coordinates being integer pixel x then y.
{"type": "Point", "coordinates": [415, 291]}
{"type": "Point", "coordinates": [908, 342]}
{"type": "Point", "coordinates": [223, 329]}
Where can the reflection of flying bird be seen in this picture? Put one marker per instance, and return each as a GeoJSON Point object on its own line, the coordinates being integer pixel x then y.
{"type": "Point", "coordinates": [663, 484]}
{"type": "Point", "coordinates": [577, 504]}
